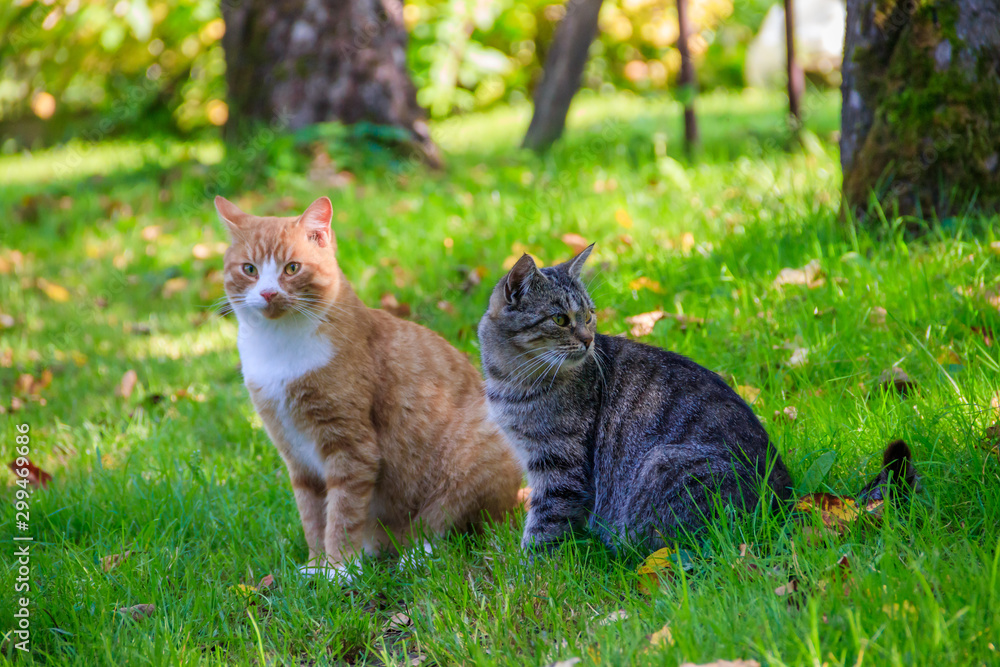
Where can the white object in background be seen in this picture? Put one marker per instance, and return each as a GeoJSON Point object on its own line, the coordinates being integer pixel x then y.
{"type": "Point", "coordinates": [819, 43]}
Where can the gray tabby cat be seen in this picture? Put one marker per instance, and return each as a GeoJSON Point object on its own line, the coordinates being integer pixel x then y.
{"type": "Point", "coordinates": [630, 440]}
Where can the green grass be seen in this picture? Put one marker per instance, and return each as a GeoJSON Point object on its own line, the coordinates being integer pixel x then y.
{"type": "Point", "coordinates": [182, 474]}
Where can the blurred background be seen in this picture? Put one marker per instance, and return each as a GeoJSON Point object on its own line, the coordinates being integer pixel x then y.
{"type": "Point", "coordinates": [66, 66]}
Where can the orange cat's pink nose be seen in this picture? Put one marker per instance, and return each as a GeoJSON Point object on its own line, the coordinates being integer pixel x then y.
{"type": "Point", "coordinates": [268, 295]}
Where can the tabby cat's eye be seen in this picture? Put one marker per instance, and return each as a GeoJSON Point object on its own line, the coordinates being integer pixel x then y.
{"type": "Point", "coordinates": [562, 319]}
{"type": "Point", "coordinates": [292, 268]}
{"type": "Point", "coordinates": [590, 317]}
{"type": "Point", "coordinates": [250, 269]}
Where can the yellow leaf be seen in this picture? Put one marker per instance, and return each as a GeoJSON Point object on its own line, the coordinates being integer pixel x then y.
{"type": "Point", "coordinates": [623, 218]}
{"type": "Point", "coordinates": [687, 242]}
{"type": "Point", "coordinates": [53, 291]}
{"type": "Point", "coordinates": [656, 564]}
{"type": "Point", "coordinates": [748, 393]}
{"type": "Point", "coordinates": [662, 637]}
{"type": "Point", "coordinates": [835, 511]}
{"type": "Point", "coordinates": [644, 282]}
{"type": "Point", "coordinates": [246, 590]}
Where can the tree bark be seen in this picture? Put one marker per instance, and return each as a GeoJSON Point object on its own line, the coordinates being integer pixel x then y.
{"type": "Point", "coordinates": [563, 69]}
{"type": "Point", "coordinates": [686, 79]}
{"type": "Point", "coordinates": [920, 125]}
{"type": "Point", "coordinates": [796, 78]}
{"type": "Point", "coordinates": [298, 62]}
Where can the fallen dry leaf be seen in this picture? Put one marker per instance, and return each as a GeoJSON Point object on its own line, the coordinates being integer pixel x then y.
{"type": "Point", "coordinates": [109, 563]}
{"type": "Point", "coordinates": [623, 218]}
{"type": "Point", "coordinates": [399, 622]}
{"type": "Point", "coordinates": [877, 316]}
{"type": "Point", "coordinates": [643, 323]}
{"type": "Point", "coordinates": [687, 242]}
{"type": "Point", "coordinates": [662, 637]}
{"type": "Point", "coordinates": [266, 582]}
{"type": "Point", "coordinates": [657, 565]}
{"type": "Point", "coordinates": [173, 286]}
{"type": "Point", "coordinates": [724, 663]}
{"type": "Point", "coordinates": [787, 589]}
{"type": "Point", "coordinates": [127, 384]}
{"type": "Point", "coordinates": [575, 242]}
{"type": "Point", "coordinates": [391, 305]}
{"type": "Point", "coordinates": [138, 612]}
{"type": "Point", "coordinates": [836, 512]}
{"type": "Point", "coordinates": [36, 476]}
{"type": "Point", "coordinates": [748, 393]}
{"type": "Point", "coordinates": [644, 282]}
{"type": "Point", "coordinates": [417, 660]}
{"type": "Point", "coordinates": [809, 275]}
{"type": "Point", "coordinates": [790, 412]}
{"type": "Point", "coordinates": [445, 306]}
{"type": "Point", "coordinates": [28, 385]}
{"type": "Point", "coordinates": [895, 379]}
{"type": "Point", "coordinates": [246, 590]}
{"type": "Point", "coordinates": [53, 291]}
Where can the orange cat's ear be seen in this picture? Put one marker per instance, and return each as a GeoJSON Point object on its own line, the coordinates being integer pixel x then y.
{"type": "Point", "coordinates": [316, 220]}
{"type": "Point", "coordinates": [230, 214]}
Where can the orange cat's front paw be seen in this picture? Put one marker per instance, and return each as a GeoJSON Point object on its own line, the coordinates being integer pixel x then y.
{"type": "Point", "coordinates": [342, 573]}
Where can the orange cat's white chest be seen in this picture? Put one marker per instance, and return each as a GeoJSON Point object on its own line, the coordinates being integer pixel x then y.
{"type": "Point", "coordinates": [273, 354]}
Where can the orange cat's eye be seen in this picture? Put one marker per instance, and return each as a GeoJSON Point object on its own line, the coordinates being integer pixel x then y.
{"type": "Point", "coordinates": [250, 270]}
{"type": "Point", "coordinates": [292, 268]}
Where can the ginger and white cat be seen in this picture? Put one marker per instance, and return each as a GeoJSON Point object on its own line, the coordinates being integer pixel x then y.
{"type": "Point", "coordinates": [381, 423]}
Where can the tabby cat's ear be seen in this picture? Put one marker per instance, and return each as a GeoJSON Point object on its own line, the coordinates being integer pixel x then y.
{"type": "Point", "coordinates": [519, 278]}
{"type": "Point", "coordinates": [316, 221]}
{"type": "Point", "coordinates": [230, 214]}
{"type": "Point", "coordinates": [575, 265]}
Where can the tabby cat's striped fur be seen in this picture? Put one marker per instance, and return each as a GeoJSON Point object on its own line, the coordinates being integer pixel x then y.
{"type": "Point", "coordinates": [631, 440]}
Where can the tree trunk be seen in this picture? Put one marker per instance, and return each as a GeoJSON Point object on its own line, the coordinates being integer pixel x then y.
{"type": "Point", "coordinates": [921, 106]}
{"type": "Point", "coordinates": [563, 69]}
{"type": "Point", "coordinates": [300, 62]}
{"type": "Point", "coordinates": [796, 77]}
{"type": "Point", "coordinates": [686, 79]}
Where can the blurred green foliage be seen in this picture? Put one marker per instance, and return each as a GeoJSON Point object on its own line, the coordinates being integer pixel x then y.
{"type": "Point", "coordinates": [101, 67]}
